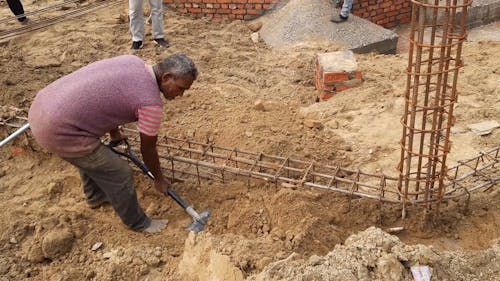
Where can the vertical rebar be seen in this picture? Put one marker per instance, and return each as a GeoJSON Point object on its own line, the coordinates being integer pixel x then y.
{"type": "Point", "coordinates": [436, 35]}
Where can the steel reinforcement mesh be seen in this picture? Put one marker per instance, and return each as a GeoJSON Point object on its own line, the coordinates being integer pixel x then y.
{"type": "Point", "coordinates": [191, 160]}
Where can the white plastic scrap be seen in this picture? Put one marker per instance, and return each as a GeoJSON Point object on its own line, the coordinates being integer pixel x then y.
{"type": "Point", "coordinates": [421, 273]}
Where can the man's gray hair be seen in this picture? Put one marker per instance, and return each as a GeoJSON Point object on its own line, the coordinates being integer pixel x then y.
{"type": "Point", "coordinates": [179, 65]}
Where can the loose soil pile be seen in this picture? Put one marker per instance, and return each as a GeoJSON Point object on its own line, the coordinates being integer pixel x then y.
{"type": "Point", "coordinates": [258, 231]}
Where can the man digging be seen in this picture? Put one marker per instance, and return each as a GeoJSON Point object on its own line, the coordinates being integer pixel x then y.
{"type": "Point", "coordinates": [69, 116]}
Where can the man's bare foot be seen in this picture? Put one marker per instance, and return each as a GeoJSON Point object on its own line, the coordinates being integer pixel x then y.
{"type": "Point", "coordinates": [156, 226]}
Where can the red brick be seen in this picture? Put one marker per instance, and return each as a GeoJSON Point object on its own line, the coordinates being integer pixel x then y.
{"type": "Point", "coordinates": [339, 88]}
{"type": "Point", "coordinates": [325, 95]}
{"type": "Point", "coordinates": [223, 11]}
{"type": "Point", "coordinates": [254, 12]}
{"type": "Point", "coordinates": [238, 12]}
{"type": "Point", "coordinates": [332, 77]}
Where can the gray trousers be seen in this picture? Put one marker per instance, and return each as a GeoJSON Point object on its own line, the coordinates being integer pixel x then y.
{"type": "Point", "coordinates": [346, 8]}
{"type": "Point", "coordinates": [105, 176]}
{"type": "Point", "coordinates": [137, 19]}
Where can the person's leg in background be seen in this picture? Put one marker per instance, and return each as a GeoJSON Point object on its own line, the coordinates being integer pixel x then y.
{"type": "Point", "coordinates": [157, 23]}
{"type": "Point", "coordinates": [136, 23]}
{"type": "Point", "coordinates": [344, 12]}
{"type": "Point", "coordinates": [17, 9]}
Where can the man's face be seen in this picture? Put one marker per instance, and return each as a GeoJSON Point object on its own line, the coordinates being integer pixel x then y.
{"type": "Point", "coordinates": [172, 86]}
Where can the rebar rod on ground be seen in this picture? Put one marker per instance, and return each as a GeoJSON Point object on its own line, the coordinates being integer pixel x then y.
{"type": "Point", "coordinates": [35, 25]}
{"type": "Point", "coordinates": [57, 6]}
{"type": "Point", "coordinates": [436, 35]}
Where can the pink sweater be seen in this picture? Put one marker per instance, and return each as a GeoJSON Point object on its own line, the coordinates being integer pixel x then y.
{"type": "Point", "coordinates": [70, 115]}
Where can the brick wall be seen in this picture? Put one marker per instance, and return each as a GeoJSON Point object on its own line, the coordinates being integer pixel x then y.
{"type": "Point", "coordinates": [222, 9]}
{"type": "Point", "coordinates": [387, 13]}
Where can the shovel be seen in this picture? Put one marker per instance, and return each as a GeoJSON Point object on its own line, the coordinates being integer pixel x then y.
{"type": "Point", "coordinates": [199, 219]}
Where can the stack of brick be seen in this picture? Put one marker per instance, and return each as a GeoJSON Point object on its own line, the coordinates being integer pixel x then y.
{"type": "Point", "coordinates": [335, 72]}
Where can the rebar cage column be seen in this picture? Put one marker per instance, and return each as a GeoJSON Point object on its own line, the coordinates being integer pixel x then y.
{"type": "Point", "coordinates": [436, 35]}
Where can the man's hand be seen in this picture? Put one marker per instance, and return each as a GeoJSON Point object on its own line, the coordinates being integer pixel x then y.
{"type": "Point", "coordinates": [162, 185]}
{"type": "Point", "coordinates": [116, 135]}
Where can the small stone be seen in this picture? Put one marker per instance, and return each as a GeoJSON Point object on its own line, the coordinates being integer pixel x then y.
{"type": "Point", "coordinates": [157, 252]}
{"type": "Point", "coordinates": [54, 189]}
{"type": "Point", "coordinates": [57, 242]}
{"type": "Point", "coordinates": [35, 254]}
{"type": "Point", "coordinates": [255, 26]}
{"type": "Point", "coordinates": [248, 133]}
{"type": "Point", "coordinates": [96, 246]}
{"type": "Point", "coordinates": [332, 124]}
{"type": "Point", "coordinates": [266, 228]}
{"type": "Point", "coordinates": [255, 37]}
{"type": "Point", "coordinates": [13, 240]}
{"type": "Point", "coordinates": [107, 255]}
{"type": "Point", "coordinates": [153, 261]}
{"type": "Point", "coordinates": [311, 123]}
{"type": "Point", "coordinates": [315, 260]}
{"type": "Point", "coordinates": [259, 105]}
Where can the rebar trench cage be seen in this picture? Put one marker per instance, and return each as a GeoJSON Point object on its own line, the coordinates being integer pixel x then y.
{"type": "Point", "coordinates": [436, 35]}
{"type": "Point", "coordinates": [188, 159]}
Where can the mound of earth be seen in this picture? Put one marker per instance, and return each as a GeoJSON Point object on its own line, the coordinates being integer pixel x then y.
{"type": "Point", "coordinates": [371, 254]}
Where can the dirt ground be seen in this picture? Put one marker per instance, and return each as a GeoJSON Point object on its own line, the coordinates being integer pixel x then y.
{"type": "Point", "coordinates": [257, 231]}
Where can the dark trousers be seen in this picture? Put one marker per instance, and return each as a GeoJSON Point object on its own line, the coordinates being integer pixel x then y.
{"type": "Point", "coordinates": [17, 8]}
{"type": "Point", "coordinates": [105, 176]}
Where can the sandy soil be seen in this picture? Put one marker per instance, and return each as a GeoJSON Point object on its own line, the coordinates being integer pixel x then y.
{"type": "Point", "coordinates": [258, 231]}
